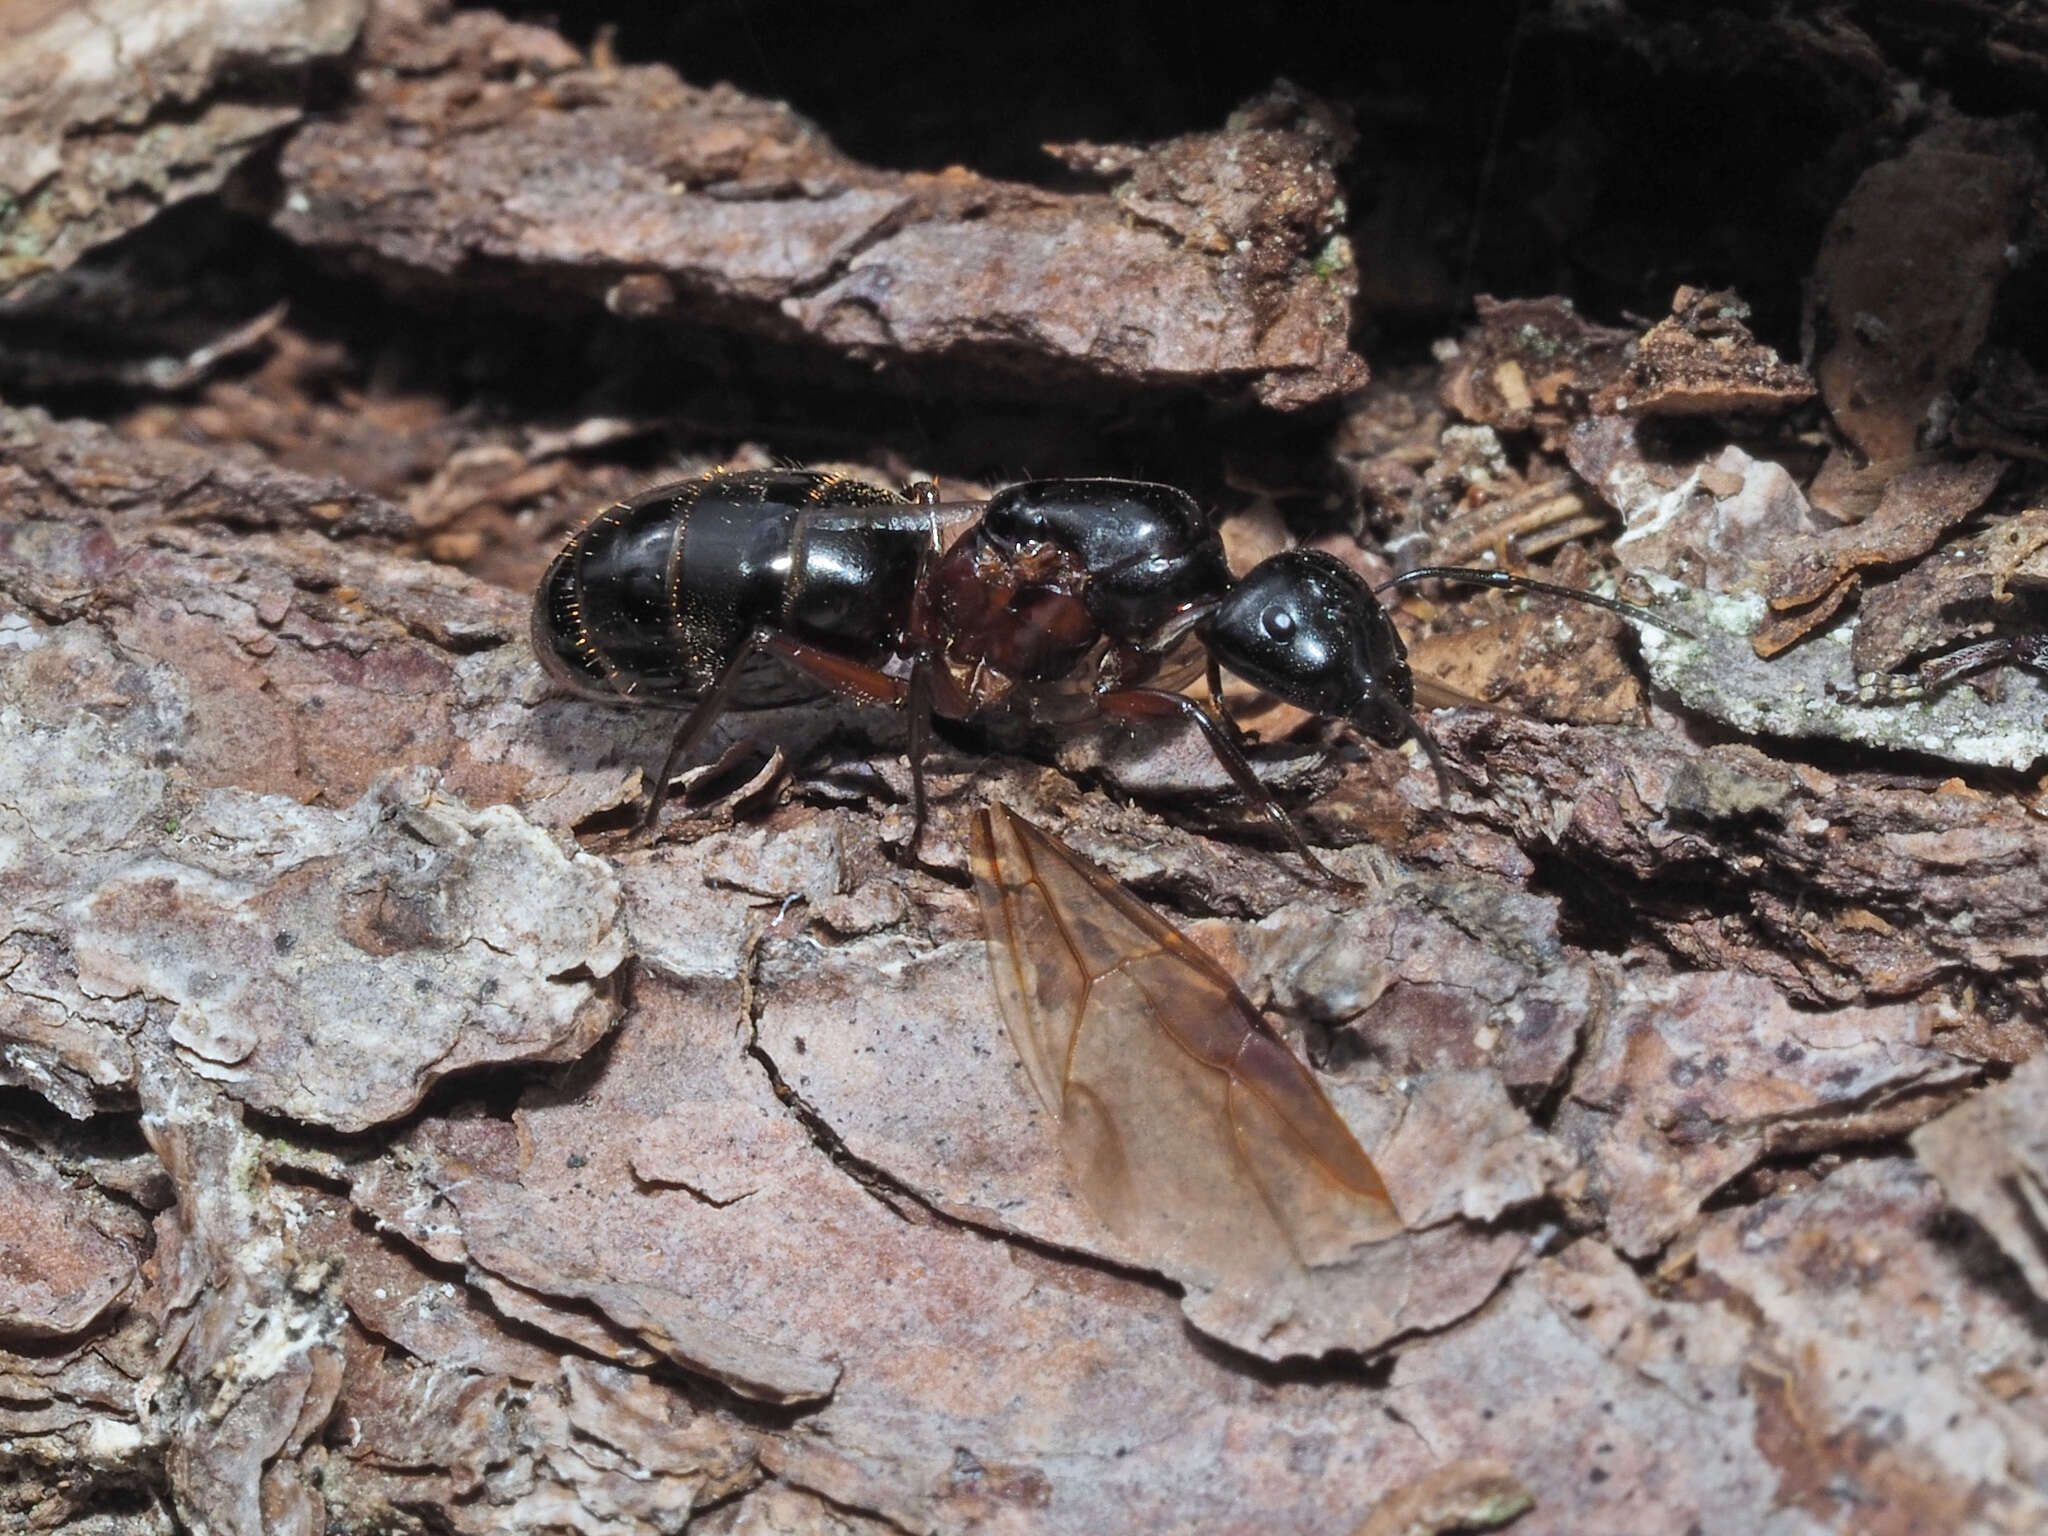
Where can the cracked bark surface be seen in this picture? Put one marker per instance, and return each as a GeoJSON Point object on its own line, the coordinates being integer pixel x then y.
{"type": "Point", "coordinates": [391, 1142]}
{"type": "Point", "coordinates": [1213, 259]}
{"type": "Point", "coordinates": [116, 110]}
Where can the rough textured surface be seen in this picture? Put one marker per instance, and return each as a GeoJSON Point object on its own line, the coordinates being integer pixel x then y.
{"type": "Point", "coordinates": [1211, 261]}
{"type": "Point", "coordinates": [811, 1085]}
{"type": "Point", "coordinates": [1712, 522]}
{"type": "Point", "coordinates": [327, 964]}
{"type": "Point", "coordinates": [112, 111]}
{"type": "Point", "coordinates": [1839, 888]}
{"type": "Point", "coordinates": [1989, 1157]}
{"type": "Point", "coordinates": [1910, 272]}
{"type": "Point", "coordinates": [1863, 1290]}
{"type": "Point", "coordinates": [394, 1138]}
{"type": "Point", "coordinates": [58, 1273]}
{"type": "Point", "coordinates": [1703, 361]}
{"type": "Point", "coordinates": [1816, 691]}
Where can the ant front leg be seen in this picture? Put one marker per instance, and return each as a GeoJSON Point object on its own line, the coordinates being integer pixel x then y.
{"type": "Point", "coordinates": [1214, 679]}
{"type": "Point", "coordinates": [1158, 704]}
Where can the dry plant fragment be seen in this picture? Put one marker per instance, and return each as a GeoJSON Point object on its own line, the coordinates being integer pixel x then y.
{"type": "Point", "coordinates": [1963, 592]}
{"type": "Point", "coordinates": [1532, 364]}
{"type": "Point", "coordinates": [1812, 580]}
{"type": "Point", "coordinates": [1703, 361]}
{"type": "Point", "coordinates": [1909, 274]}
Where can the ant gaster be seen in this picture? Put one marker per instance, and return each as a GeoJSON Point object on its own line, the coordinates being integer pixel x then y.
{"type": "Point", "coordinates": [1079, 596]}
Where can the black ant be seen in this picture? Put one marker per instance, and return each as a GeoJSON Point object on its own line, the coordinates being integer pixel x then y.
{"type": "Point", "coordinates": [764, 588]}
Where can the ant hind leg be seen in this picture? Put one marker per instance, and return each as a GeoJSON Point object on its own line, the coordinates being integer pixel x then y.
{"type": "Point", "coordinates": [695, 726]}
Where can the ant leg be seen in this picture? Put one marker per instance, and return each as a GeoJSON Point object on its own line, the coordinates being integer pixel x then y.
{"type": "Point", "coordinates": [930, 688]}
{"type": "Point", "coordinates": [835, 672]}
{"type": "Point", "coordinates": [1940, 672]}
{"type": "Point", "coordinates": [1508, 581]}
{"type": "Point", "coordinates": [2022, 650]}
{"type": "Point", "coordinates": [850, 679]}
{"type": "Point", "coordinates": [1157, 704]}
{"type": "Point", "coordinates": [697, 725]}
{"type": "Point", "coordinates": [1216, 709]}
{"type": "Point", "coordinates": [919, 706]}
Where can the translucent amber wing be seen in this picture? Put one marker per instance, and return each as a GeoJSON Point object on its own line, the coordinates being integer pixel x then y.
{"type": "Point", "coordinates": [1195, 1135]}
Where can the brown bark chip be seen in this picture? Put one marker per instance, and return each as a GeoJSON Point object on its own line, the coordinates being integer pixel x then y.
{"type": "Point", "coordinates": [1211, 262]}
{"type": "Point", "coordinates": [58, 1273]}
{"type": "Point", "coordinates": [1703, 361]}
{"type": "Point", "coordinates": [1909, 273]}
{"type": "Point", "coordinates": [1919, 505]}
{"type": "Point", "coordinates": [113, 111]}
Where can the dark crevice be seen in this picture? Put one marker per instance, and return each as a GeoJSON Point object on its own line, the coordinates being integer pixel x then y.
{"type": "Point", "coordinates": [1495, 136]}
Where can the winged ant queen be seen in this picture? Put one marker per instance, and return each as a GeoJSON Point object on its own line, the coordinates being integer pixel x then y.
{"type": "Point", "coordinates": [1192, 1131]}
{"type": "Point", "coordinates": [1069, 597]}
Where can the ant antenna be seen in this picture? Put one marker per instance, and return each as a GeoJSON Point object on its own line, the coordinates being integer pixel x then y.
{"type": "Point", "coordinates": [1507, 581]}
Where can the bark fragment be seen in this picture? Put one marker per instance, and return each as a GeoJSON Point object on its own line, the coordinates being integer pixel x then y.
{"type": "Point", "coordinates": [58, 1273]}
{"type": "Point", "coordinates": [1843, 888]}
{"type": "Point", "coordinates": [1814, 691]}
{"type": "Point", "coordinates": [113, 111]}
{"type": "Point", "coordinates": [1967, 591]}
{"type": "Point", "coordinates": [1703, 361]}
{"type": "Point", "coordinates": [1990, 1160]}
{"type": "Point", "coordinates": [1865, 1296]}
{"type": "Point", "coordinates": [1213, 264]}
{"type": "Point", "coordinates": [1713, 522]}
{"type": "Point", "coordinates": [1918, 506]}
{"type": "Point", "coordinates": [1909, 273]}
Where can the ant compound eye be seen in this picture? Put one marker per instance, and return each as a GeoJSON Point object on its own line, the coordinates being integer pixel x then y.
{"type": "Point", "coordinates": [1278, 624]}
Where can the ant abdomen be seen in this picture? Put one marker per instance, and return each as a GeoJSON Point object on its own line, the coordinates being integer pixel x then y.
{"type": "Point", "coordinates": [652, 599]}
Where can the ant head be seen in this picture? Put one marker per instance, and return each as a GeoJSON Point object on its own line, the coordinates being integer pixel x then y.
{"type": "Point", "coordinates": [1147, 550]}
{"type": "Point", "coordinates": [1307, 629]}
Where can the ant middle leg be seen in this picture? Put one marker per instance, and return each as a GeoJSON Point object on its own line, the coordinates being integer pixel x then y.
{"type": "Point", "coordinates": [695, 726]}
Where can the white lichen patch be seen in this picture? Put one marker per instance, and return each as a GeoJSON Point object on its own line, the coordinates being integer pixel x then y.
{"type": "Point", "coordinates": [1811, 691]}
{"type": "Point", "coordinates": [68, 789]}
{"type": "Point", "coordinates": [331, 965]}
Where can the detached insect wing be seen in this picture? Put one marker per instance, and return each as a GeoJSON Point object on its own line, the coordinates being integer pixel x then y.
{"type": "Point", "coordinates": [1195, 1135]}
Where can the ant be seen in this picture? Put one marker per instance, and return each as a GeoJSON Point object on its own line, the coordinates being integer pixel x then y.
{"type": "Point", "coordinates": [1075, 597]}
